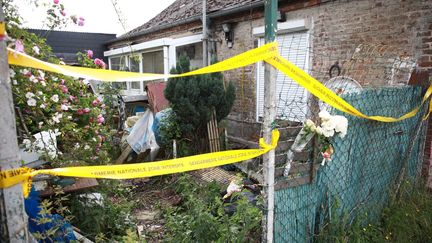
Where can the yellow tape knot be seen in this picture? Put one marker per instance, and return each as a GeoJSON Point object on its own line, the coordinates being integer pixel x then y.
{"type": "Point", "coordinates": [275, 139]}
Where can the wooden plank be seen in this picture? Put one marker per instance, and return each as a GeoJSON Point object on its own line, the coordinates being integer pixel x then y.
{"type": "Point", "coordinates": [295, 168]}
{"type": "Point", "coordinates": [124, 155]}
{"type": "Point", "coordinates": [282, 184]}
{"type": "Point", "coordinates": [249, 144]}
{"type": "Point", "coordinates": [80, 184]}
{"type": "Point", "coordinates": [213, 135]}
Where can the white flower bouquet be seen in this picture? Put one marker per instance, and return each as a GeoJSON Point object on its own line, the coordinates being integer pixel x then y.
{"type": "Point", "coordinates": [330, 126]}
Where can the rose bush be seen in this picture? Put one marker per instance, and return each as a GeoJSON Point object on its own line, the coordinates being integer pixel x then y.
{"type": "Point", "coordinates": [50, 101]}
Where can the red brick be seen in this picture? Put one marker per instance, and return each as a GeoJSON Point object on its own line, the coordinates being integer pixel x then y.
{"type": "Point", "coordinates": [425, 64]}
{"type": "Point", "coordinates": [427, 40]}
{"type": "Point", "coordinates": [429, 51]}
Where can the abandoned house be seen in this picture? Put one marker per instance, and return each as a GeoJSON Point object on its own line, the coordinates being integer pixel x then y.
{"type": "Point", "coordinates": [372, 43]}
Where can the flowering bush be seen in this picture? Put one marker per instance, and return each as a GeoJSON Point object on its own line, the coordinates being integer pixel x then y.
{"type": "Point", "coordinates": [330, 125]}
{"type": "Point", "coordinates": [54, 102]}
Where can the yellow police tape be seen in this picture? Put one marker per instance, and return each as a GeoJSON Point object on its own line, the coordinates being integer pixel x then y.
{"type": "Point", "coordinates": [244, 59]}
{"type": "Point", "coordinates": [2, 29]}
{"type": "Point", "coordinates": [326, 95]}
{"type": "Point", "coordinates": [128, 171]}
{"type": "Point", "coordinates": [266, 53]}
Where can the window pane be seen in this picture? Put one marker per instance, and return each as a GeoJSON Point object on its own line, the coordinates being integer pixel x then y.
{"type": "Point", "coordinates": [116, 64]}
{"type": "Point", "coordinates": [134, 63]}
{"type": "Point", "coordinates": [153, 62]}
{"type": "Point", "coordinates": [135, 85]}
{"type": "Point", "coordinates": [194, 52]}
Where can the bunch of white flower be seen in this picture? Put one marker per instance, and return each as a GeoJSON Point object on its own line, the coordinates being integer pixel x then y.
{"type": "Point", "coordinates": [332, 124]}
{"type": "Point", "coordinates": [30, 100]}
{"type": "Point", "coordinates": [310, 125]}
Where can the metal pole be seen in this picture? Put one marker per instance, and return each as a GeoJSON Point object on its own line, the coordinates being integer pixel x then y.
{"type": "Point", "coordinates": [13, 226]}
{"type": "Point", "coordinates": [270, 13]}
{"type": "Point", "coordinates": [204, 34]}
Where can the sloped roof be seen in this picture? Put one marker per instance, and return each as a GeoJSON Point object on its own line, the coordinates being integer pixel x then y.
{"type": "Point", "coordinates": [182, 10]}
{"type": "Point", "coordinates": [65, 44]}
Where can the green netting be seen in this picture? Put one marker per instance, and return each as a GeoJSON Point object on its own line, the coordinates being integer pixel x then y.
{"type": "Point", "coordinates": [365, 169]}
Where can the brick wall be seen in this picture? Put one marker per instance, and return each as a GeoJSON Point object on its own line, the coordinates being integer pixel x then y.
{"type": "Point", "coordinates": [399, 30]}
{"type": "Point", "coordinates": [392, 32]}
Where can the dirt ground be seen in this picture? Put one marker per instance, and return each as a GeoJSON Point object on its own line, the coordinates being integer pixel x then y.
{"type": "Point", "coordinates": [153, 193]}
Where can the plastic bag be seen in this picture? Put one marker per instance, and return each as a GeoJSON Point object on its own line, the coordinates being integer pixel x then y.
{"type": "Point", "coordinates": [142, 136]}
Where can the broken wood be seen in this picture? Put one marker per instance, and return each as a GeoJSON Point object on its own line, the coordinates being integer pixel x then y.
{"type": "Point", "coordinates": [80, 184]}
{"type": "Point", "coordinates": [125, 153]}
{"type": "Point", "coordinates": [213, 134]}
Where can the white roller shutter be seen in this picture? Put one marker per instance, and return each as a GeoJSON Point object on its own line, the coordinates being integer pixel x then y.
{"type": "Point", "coordinates": [291, 98]}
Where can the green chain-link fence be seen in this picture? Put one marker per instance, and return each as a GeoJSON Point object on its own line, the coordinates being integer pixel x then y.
{"type": "Point", "coordinates": [365, 169]}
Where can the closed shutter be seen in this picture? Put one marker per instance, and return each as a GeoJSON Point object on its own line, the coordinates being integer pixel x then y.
{"type": "Point", "coordinates": [291, 98]}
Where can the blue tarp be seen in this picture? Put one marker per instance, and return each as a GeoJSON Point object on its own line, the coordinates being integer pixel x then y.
{"type": "Point", "coordinates": [32, 208]}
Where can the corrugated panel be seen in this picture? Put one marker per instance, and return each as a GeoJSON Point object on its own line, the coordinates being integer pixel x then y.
{"type": "Point", "coordinates": [156, 98]}
{"type": "Point", "coordinates": [291, 98]}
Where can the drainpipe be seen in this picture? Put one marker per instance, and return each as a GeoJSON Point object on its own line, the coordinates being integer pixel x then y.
{"type": "Point", "coordinates": [204, 34]}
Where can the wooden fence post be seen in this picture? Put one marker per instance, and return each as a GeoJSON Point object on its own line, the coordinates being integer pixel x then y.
{"type": "Point", "coordinates": [13, 226]}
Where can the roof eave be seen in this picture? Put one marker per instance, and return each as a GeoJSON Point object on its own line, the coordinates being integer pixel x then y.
{"type": "Point", "coordinates": [216, 14]}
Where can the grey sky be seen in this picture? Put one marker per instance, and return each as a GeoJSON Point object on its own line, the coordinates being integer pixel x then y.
{"type": "Point", "coordinates": [100, 16]}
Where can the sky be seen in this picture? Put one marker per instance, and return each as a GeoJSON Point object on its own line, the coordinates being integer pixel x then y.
{"type": "Point", "coordinates": [100, 15]}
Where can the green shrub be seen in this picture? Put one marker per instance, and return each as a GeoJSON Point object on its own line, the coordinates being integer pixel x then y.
{"type": "Point", "coordinates": [201, 216]}
{"type": "Point", "coordinates": [193, 100]}
{"type": "Point", "coordinates": [406, 219]}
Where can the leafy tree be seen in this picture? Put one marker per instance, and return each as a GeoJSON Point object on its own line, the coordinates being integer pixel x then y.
{"type": "Point", "coordinates": [193, 100]}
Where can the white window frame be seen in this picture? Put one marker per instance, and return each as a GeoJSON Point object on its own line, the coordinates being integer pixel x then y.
{"type": "Point", "coordinates": [167, 45]}
{"type": "Point", "coordinates": [282, 28]}
{"type": "Point", "coordinates": [129, 90]}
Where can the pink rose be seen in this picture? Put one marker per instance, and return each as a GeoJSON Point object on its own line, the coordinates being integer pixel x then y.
{"type": "Point", "coordinates": [62, 81]}
{"type": "Point", "coordinates": [98, 62]}
{"type": "Point", "coordinates": [100, 119]}
{"type": "Point", "coordinates": [63, 88]}
{"type": "Point", "coordinates": [95, 102]}
{"type": "Point", "coordinates": [56, 1]}
{"type": "Point", "coordinates": [90, 54]}
{"type": "Point", "coordinates": [81, 18]}
{"type": "Point", "coordinates": [91, 119]}
{"type": "Point", "coordinates": [63, 13]}
{"type": "Point", "coordinates": [28, 74]}
{"type": "Point", "coordinates": [326, 155]}
{"type": "Point", "coordinates": [72, 98]}
{"type": "Point", "coordinates": [80, 23]}
{"type": "Point", "coordinates": [19, 46]}
{"type": "Point", "coordinates": [80, 111]}
{"type": "Point", "coordinates": [86, 110]}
